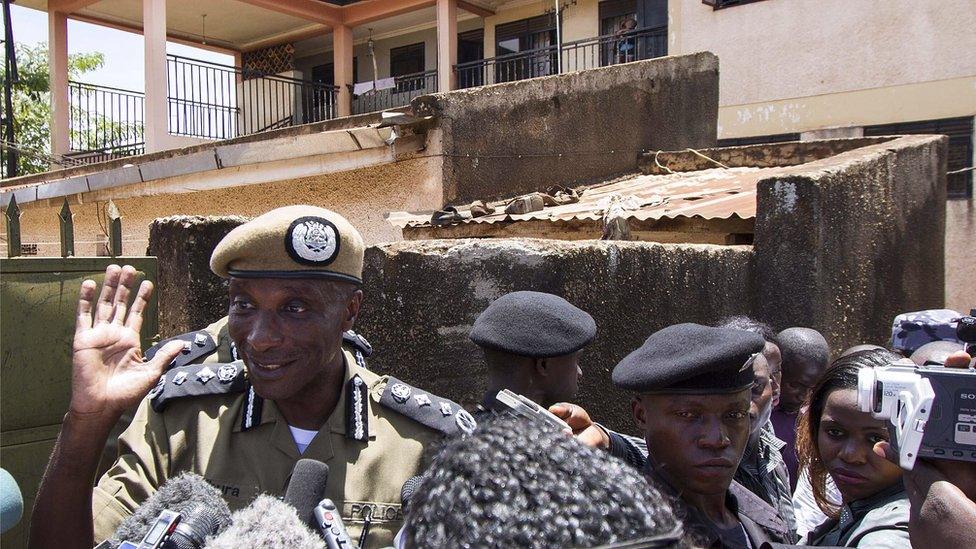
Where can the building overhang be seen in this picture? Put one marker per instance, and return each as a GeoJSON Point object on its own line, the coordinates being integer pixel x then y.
{"type": "Point", "coordinates": [246, 25]}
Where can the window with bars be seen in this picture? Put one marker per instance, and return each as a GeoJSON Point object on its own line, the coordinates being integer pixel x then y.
{"type": "Point", "coordinates": [960, 133]}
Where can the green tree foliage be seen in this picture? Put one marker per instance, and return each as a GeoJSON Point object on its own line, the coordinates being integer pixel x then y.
{"type": "Point", "coordinates": [32, 107]}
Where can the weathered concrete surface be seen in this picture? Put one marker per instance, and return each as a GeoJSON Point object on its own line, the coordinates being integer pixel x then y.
{"type": "Point", "coordinates": [961, 255]}
{"type": "Point", "coordinates": [842, 244]}
{"type": "Point", "coordinates": [193, 296]}
{"type": "Point", "coordinates": [765, 155]}
{"type": "Point", "coordinates": [850, 241]}
{"type": "Point", "coordinates": [507, 138]}
{"type": "Point", "coordinates": [423, 296]}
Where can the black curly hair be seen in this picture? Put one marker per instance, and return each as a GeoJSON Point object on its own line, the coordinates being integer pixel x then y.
{"type": "Point", "coordinates": [513, 483]}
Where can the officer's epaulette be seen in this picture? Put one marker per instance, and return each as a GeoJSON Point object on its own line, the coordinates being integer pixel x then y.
{"type": "Point", "coordinates": [197, 380]}
{"type": "Point", "coordinates": [359, 342]}
{"type": "Point", "coordinates": [195, 345]}
{"type": "Point", "coordinates": [437, 413]}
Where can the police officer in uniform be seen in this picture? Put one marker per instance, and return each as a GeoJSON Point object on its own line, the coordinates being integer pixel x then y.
{"type": "Point", "coordinates": [532, 342]}
{"type": "Point", "coordinates": [692, 386]}
{"type": "Point", "coordinates": [296, 392]}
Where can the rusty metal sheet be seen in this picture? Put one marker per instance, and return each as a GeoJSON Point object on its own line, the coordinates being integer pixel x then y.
{"type": "Point", "coordinates": [710, 194]}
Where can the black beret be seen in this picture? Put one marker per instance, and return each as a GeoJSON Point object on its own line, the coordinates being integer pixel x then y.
{"type": "Point", "coordinates": [690, 358]}
{"type": "Point", "coordinates": [533, 324]}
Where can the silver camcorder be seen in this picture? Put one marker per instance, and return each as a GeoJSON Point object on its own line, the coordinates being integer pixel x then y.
{"type": "Point", "coordinates": [931, 409]}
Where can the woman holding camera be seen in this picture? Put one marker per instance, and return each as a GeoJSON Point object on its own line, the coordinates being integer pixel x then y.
{"type": "Point", "coordinates": [835, 438]}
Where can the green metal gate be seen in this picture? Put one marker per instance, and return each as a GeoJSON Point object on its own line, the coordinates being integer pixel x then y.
{"type": "Point", "coordinates": [38, 300]}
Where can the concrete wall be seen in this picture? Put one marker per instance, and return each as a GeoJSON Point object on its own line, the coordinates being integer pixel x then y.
{"type": "Point", "coordinates": [792, 66]}
{"type": "Point", "coordinates": [509, 138]}
{"type": "Point", "coordinates": [631, 289]}
{"type": "Point", "coordinates": [363, 196]}
{"type": "Point", "coordinates": [842, 244]}
{"type": "Point", "coordinates": [960, 250]}
{"type": "Point", "coordinates": [853, 240]}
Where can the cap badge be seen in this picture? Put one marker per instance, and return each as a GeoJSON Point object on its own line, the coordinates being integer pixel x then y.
{"type": "Point", "coordinates": [400, 392]}
{"type": "Point", "coordinates": [312, 241]}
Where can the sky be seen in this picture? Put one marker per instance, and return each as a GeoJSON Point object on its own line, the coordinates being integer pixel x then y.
{"type": "Point", "coordinates": [124, 62]}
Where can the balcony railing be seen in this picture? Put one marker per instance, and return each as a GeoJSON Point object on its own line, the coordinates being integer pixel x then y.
{"type": "Point", "coordinates": [205, 100]}
{"type": "Point", "coordinates": [588, 53]}
{"type": "Point", "coordinates": [216, 101]}
{"type": "Point", "coordinates": [405, 88]}
{"type": "Point", "coordinates": [105, 121]}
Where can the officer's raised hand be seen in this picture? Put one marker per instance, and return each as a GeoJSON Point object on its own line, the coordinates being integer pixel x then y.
{"type": "Point", "coordinates": [108, 372]}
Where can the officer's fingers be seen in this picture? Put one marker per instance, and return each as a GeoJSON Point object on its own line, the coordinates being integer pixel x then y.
{"type": "Point", "coordinates": [86, 294]}
{"type": "Point", "coordinates": [561, 410]}
{"type": "Point", "coordinates": [883, 449]}
{"type": "Point", "coordinates": [593, 437]}
{"type": "Point", "coordinates": [105, 305]}
{"type": "Point", "coordinates": [134, 321]}
{"type": "Point", "coordinates": [164, 356]}
{"type": "Point", "coordinates": [958, 359]}
{"type": "Point", "coordinates": [126, 278]}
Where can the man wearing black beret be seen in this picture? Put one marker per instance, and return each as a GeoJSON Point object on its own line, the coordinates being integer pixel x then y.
{"type": "Point", "coordinates": [692, 386]}
{"type": "Point", "coordinates": [532, 342]}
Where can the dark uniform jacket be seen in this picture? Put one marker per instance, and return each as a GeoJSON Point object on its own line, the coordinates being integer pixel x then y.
{"type": "Point", "coordinates": [760, 522]}
{"type": "Point", "coordinates": [878, 521]}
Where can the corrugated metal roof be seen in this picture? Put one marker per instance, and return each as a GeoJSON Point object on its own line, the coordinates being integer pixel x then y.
{"type": "Point", "coordinates": [718, 193]}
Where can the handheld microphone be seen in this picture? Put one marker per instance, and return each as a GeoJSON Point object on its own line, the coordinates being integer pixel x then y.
{"type": "Point", "coordinates": [306, 488]}
{"type": "Point", "coordinates": [330, 525]}
{"type": "Point", "coordinates": [11, 501]}
{"type": "Point", "coordinates": [202, 512]}
{"type": "Point", "coordinates": [267, 522]}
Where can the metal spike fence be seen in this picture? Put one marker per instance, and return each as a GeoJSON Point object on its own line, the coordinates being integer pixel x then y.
{"type": "Point", "coordinates": [113, 229]}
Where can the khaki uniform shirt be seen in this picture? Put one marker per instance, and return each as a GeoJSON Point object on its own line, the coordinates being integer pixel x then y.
{"type": "Point", "coordinates": [205, 435]}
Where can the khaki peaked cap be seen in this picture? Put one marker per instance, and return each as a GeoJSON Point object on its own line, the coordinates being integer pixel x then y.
{"type": "Point", "coordinates": [292, 242]}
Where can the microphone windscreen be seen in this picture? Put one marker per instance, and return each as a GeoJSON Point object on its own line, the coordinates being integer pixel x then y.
{"type": "Point", "coordinates": [11, 501]}
{"type": "Point", "coordinates": [307, 487]}
{"type": "Point", "coordinates": [181, 494]}
{"type": "Point", "coordinates": [408, 489]}
{"type": "Point", "coordinates": [267, 522]}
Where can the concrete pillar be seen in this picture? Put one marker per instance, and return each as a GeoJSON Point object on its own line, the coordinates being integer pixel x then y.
{"type": "Point", "coordinates": [342, 63]}
{"type": "Point", "coordinates": [446, 44]}
{"type": "Point", "coordinates": [57, 58]}
{"type": "Point", "coordinates": [157, 114]}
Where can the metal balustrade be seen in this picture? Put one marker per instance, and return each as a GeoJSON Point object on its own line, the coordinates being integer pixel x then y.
{"type": "Point", "coordinates": [405, 88]}
{"type": "Point", "coordinates": [589, 53]}
{"type": "Point", "coordinates": [108, 121]}
{"type": "Point", "coordinates": [215, 101]}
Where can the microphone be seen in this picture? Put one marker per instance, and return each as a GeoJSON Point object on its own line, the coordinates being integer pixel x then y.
{"type": "Point", "coordinates": [408, 490]}
{"type": "Point", "coordinates": [202, 510]}
{"type": "Point", "coordinates": [306, 488]}
{"type": "Point", "coordinates": [270, 523]}
{"type": "Point", "coordinates": [11, 501]}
